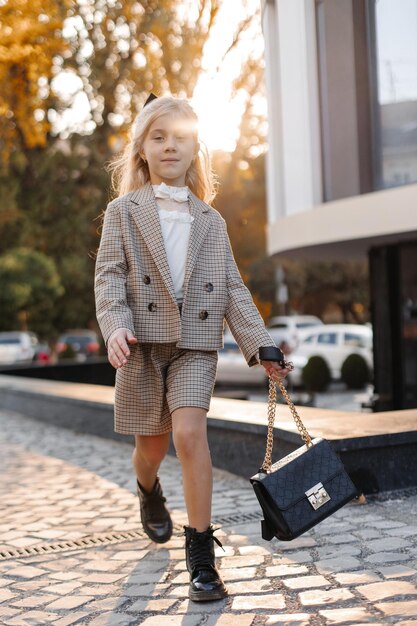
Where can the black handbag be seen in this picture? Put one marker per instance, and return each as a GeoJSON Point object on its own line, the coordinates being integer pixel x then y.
{"type": "Point", "coordinates": [306, 486]}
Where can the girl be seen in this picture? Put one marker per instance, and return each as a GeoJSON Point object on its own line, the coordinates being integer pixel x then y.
{"type": "Point", "coordinates": [166, 279]}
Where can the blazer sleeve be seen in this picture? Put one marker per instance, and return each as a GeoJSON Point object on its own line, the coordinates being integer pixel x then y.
{"type": "Point", "coordinates": [112, 310]}
{"type": "Point", "coordinates": [242, 315]}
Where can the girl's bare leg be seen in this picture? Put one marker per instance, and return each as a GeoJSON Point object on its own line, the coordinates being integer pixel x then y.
{"type": "Point", "coordinates": [147, 456]}
{"type": "Point", "coordinates": [189, 429]}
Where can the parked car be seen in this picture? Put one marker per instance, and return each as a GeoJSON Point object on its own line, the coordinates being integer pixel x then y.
{"type": "Point", "coordinates": [233, 369]}
{"type": "Point", "coordinates": [334, 343]}
{"type": "Point", "coordinates": [17, 347]}
{"type": "Point", "coordinates": [42, 353]}
{"type": "Point", "coordinates": [287, 328]}
{"type": "Point", "coordinates": [78, 344]}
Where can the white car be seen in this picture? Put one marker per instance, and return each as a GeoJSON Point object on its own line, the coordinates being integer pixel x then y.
{"type": "Point", "coordinates": [17, 347]}
{"type": "Point", "coordinates": [334, 343]}
{"type": "Point", "coordinates": [233, 369]}
{"type": "Point", "coordinates": [287, 328]}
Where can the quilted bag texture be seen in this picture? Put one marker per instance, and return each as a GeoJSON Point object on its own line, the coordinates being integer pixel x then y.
{"type": "Point", "coordinates": [281, 492]}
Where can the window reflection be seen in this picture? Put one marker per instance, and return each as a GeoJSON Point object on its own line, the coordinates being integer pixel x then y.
{"type": "Point", "coordinates": [396, 91]}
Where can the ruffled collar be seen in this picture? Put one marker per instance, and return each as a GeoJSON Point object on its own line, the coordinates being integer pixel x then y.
{"type": "Point", "coordinates": [171, 192]}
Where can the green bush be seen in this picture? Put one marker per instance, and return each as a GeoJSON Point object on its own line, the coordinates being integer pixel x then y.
{"type": "Point", "coordinates": [316, 374]}
{"type": "Point", "coordinates": [355, 372]}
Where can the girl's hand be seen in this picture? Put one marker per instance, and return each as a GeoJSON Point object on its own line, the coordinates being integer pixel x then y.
{"type": "Point", "coordinates": [117, 346]}
{"type": "Point", "coordinates": [275, 371]}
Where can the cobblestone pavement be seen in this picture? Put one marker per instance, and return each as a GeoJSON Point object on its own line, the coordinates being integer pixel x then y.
{"type": "Point", "coordinates": [72, 497]}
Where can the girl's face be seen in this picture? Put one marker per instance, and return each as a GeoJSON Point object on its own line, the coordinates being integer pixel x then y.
{"type": "Point", "coordinates": [169, 148]}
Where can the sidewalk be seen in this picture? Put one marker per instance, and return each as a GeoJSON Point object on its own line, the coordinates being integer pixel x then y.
{"type": "Point", "coordinates": [72, 496]}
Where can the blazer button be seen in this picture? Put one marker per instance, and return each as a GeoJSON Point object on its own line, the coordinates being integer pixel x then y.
{"type": "Point", "coordinates": [208, 287]}
{"type": "Point", "coordinates": [146, 280]}
{"type": "Point", "coordinates": [152, 306]}
{"type": "Point", "coordinates": [203, 315]}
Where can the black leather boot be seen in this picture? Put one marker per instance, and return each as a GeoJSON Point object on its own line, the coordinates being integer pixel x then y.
{"type": "Point", "coordinates": [155, 517]}
{"type": "Point", "coordinates": [205, 581]}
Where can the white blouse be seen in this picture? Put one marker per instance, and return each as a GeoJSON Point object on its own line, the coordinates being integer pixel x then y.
{"type": "Point", "coordinates": [175, 220]}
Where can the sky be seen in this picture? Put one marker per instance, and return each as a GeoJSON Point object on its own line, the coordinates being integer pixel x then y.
{"type": "Point", "coordinates": [218, 111]}
{"type": "Point", "coordinates": [397, 50]}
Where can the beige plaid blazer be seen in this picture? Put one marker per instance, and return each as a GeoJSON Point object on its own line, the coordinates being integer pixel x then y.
{"type": "Point", "coordinates": [134, 288]}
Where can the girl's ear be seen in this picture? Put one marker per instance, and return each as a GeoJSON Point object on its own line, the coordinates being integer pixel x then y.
{"type": "Point", "coordinates": [197, 149]}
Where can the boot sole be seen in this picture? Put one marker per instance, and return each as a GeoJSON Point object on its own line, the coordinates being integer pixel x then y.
{"type": "Point", "coordinates": [207, 596]}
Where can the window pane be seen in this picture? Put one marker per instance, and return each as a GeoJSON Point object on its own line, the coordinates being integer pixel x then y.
{"type": "Point", "coordinates": [328, 338]}
{"type": "Point", "coordinates": [396, 106]}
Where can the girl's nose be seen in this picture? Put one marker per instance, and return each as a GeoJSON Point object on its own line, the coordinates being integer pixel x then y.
{"type": "Point", "coordinates": [170, 143]}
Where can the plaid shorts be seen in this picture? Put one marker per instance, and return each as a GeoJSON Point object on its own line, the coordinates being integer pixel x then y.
{"type": "Point", "coordinates": [157, 379]}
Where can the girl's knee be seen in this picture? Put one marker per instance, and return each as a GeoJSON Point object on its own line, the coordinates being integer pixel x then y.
{"type": "Point", "coordinates": [189, 441]}
{"type": "Point", "coordinates": [151, 449]}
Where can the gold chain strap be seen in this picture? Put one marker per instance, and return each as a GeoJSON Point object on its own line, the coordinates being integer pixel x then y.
{"type": "Point", "coordinates": [272, 398]}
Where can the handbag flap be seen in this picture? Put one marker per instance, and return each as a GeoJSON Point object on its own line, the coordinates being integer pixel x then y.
{"type": "Point", "coordinates": [288, 484]}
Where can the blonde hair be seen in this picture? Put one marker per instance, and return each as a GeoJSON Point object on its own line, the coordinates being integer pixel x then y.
{"type": "Point", "coordinates": [130, 171]}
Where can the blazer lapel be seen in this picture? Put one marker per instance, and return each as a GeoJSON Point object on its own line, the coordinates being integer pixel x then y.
{"type": "Point", "coordinates": [198, 232]}
{"type": "Point", "coordinates": [145, 214]}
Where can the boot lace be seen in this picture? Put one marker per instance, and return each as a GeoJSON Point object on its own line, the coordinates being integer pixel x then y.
{"type": "Point", "coordinates": [200, 553]}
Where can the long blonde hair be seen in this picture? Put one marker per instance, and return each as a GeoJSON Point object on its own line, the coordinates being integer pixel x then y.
{"type": "Point", "coordinates": [130, 171]}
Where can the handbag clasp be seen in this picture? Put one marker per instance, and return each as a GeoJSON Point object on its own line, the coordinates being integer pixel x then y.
{"type": "Point", "coordinates": [317, 496]}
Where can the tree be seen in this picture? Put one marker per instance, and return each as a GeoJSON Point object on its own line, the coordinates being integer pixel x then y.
{"type": "Point", "coordinates": [29, 287]}
{"type": "Point", "coordinates": [30, 36]}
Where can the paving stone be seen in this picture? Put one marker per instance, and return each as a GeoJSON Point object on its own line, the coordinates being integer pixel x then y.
{"type": "Point", "coordinates": [118, 619]}
{"type": "Point", "coordinates": [64, 588]}
{"type": "Point", "coordinates": [230, 620]}
{"type": "Point", "coordinates": [64, 575]}
{"type": "Point", "coordinates": [6, 594]}
{"type": "Point", "coordinates": [67, 620]}
{"type": "Point", "coordinates": [215, 607]}
{"type": "Point", "coordinates": [306, 541]}
{"type": "Point", "coordinates": [368, 533]}
{"type": "Point", "coordinates": [342, 538]}
{"type": "Point", "coordinates": [338, 564]}
{"type": "Point", "coordinates": [274, 601]}
{"type": "Point", "coordinates": [388, 543]}
{"type": "Point", "coordinates": [31, 618]}
{"type": "Point", "coordinates": [352, 615]}
{"type": "Point", "coordinates": [103, 579]}
{"type": "Point", "coordinates": [160, 604]}
{"type": "Point", "coordinates": [286, 570]}
{"type": "Point", "coordinates": [289, 619]}
{"type": "Point", "coordinates": [318, 597]}
{"type": "Point", "coordinates": [305, 582]}
{"type": "Point", "coordinates": [167, 620]}
{"type": "Point", "coordinates": [241, 561]}
{"type": "Point", "coordinates": [357, 578]}
{"type": "Point", "coordinates": [387, 589]}
{"type": "Point", "coordinates": [26, 572]}
{"type": "Point", "coordinates": [388, 524]}
{"type": "Point", "coordinates": [386, 557]}
{"type": "Point", "coordinates": [404, 531]}
{"type": "Point", "coordinates": [398, 609]}
{"type": "Point", "coordinates": [31, 602]}
{"type": "Point", "coordinates": [129, 555]}
{"type": "Point", "coordinates": [69, 602]}
{"type": "Point", "coordinates": [397, 571]}
{"type": "Point", "coordinates": [239, 573]}
{"type": "Point", "coordinates": [244, 550]}
{"type": "Point", "coordinates": [329, 552]}
{"type": "Point", "coordinates": [260, 585]}
{"type": "Point", "coordinates": [302, 556]}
